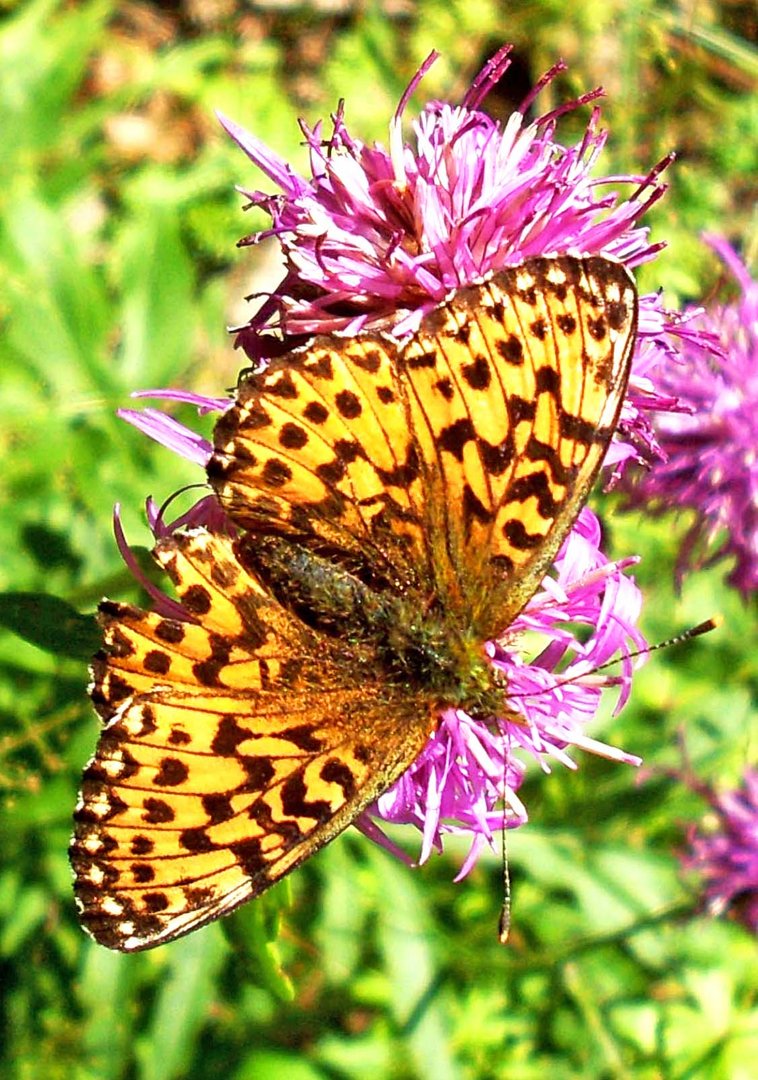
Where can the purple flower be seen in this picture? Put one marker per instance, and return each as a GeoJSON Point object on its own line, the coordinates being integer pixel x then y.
{"type": "Point", "coordinates": [711, 450]}
{"type": "Point", "coordinates": [377, 237]}
{"type": "Point", "coordinates": [724, 852]}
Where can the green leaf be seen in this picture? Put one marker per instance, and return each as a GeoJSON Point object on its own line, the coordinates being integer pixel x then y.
{"type": "Point", "coordinates": [253, 931]}
{"type": "Point", "coordinates": [183, 1004]}
{"type": "Point", "coordinates": [50, 623]}
{"type": "Point", "coordinates": [277, 1065]}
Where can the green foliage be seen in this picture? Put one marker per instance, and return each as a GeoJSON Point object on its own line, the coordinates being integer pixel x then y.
{"type": "Point", "coordinates": [119, 272]}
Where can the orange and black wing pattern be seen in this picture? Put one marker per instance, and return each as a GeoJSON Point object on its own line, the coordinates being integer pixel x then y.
{"type": "Point", "coordinates": [234, 746]}
{"type": "Point", "coordinates": [457, 461]}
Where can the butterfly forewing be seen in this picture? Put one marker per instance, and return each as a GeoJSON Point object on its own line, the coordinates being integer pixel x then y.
{"type": "Point", "coordinates": [319, 446]}
{"type": "Point", "coordinates": [463, 455]}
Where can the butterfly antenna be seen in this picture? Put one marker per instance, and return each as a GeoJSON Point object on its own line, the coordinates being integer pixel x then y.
{"type": "Point", "coordinates": [504, 922]}
{"type": "Point", "coordinates": [686, 635]}
{"type": "Point", "coordinates": [175, 495]}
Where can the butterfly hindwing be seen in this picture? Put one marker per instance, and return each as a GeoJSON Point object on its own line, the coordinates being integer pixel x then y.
{"type": "Point", "coordinates": [232, 750]}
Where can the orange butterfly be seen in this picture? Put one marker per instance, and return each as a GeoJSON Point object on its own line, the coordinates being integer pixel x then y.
{"type": "Point", "coordinates": [395, 505]}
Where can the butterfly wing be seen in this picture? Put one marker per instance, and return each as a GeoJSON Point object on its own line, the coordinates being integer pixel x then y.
{"type": "Point", "coordinates": [459, 461]}
{"type": "Point", "coordinates": [318, 448]}
{"type": "Point", "coordinates": [515, 388]}
{"type": "Point", "coordinates": [233, 747]}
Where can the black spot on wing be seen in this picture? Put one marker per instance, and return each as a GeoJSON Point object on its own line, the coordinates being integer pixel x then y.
{"type": "Point", "coordinates": [259, 772]}
{"type": "Point", "coordinates": [171, 772]}
{"type": "Point", "coordinates": [171, 631]}
{"type": "Point", "coordinates": [497, 457]}
{"type": "Point", "coordinates": [511, 350]}
{"type": "Point", "coordinates": [295, 802]}
{"type": "Point", "coordinates": [548, 380]}
{"type": "Point", "coordinates": [473, 509]}
{"type": "Point", "coordinates": [303, 737]}
{"type": "Point", "coordinates": [597, 327]}
{"type": "Point", "coordinates": [319, 364]}
{"type": "Point", "coordinates": [229, 736]}
{"type": "Point", "coordinates": [520, 409]}
{"type": "Point", "coordinates": [155, 901]}
{"type": "Point", "coordinates": [445, 387]}
{"type": "Point", "coordinates": [157, 662]}
{"type": "Point", "coordinates": [517, 536]}
{"type": "Point", "coordinates": [276, 473]}
{"type": "Point", "coordinates": [218, 807]}
{"type": "Point", "coordinates": [574, 427]}
{"type": "Point", "coordinates": [142, 872]}
{"type": "Point", "coordinates": [454, 437]}
{"type": "Point", "coordinates": [280, 385]}
{"type": "Point", "coordinates": [196, 840]}
{"type": "Point", "coordinates": [292, 436]}
{"type": "Point", "coordinates": [426, 359]}
{"type": "Point", "coordinates": [337, 772]}
{"type": "Point", "coordinates": [534, 486]}
{"type": "Point", "coordinates": [249, 856]}
{"type": "Point", "coordinates": [370, 360]}
{"type": "Point", "coordinates": [157, 811]}
{"type": "Point", "coordinates": [618, 314]}
{"type": "Point", "coordinates": [348, 404]}
{"type": "Point", "coordinates": [316, 412]}
{"type": "Point", "coordinates": [477, 374]}
{"type": "Point", "coordinates": [119, 645]}
{"type": "Point", "coordinates": [197, 600]}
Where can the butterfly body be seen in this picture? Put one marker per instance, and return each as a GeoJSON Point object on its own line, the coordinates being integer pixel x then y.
{"type": "Point", "coordinates": [419, 645]}
{"type": "Point", "coordinates": [392, 506]}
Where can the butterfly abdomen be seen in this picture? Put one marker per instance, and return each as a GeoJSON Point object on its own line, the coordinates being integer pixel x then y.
{"type": "Point", "coordinates": [414, 641]}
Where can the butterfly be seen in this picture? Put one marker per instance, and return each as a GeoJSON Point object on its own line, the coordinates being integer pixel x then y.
{"type": "Point", "coordinates": [392, 506]}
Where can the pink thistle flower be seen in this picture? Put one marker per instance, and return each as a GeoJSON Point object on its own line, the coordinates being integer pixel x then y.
{"type": "Point", "coordinates": [724, 852]}
{"type": "Point", "coordinates": [710, 446]}
{"type": "Point", "coordinates": [376, 238]}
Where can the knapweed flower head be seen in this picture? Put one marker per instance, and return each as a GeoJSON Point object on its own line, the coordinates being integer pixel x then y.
{"type": "Point", "coordinates": [375, 238]}
{"type": "Point", "coordinates": [723, 852]}
{"type": "Point", "coordinates": [710, 464]}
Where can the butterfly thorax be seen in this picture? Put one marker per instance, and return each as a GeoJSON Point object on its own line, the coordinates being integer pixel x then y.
{"type": "Point", "coordinates": [420, 644]}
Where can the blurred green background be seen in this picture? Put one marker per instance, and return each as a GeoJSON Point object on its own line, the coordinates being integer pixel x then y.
{"type": "Point", "coordinates": [118, 223]}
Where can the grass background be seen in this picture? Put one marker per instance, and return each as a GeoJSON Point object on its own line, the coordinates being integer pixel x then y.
{"type": "Point", "coordinates": [118, 223]}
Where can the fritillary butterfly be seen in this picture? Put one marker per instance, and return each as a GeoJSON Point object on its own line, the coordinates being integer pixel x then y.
{"type": "Point", "coordinates": [394, 506]}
